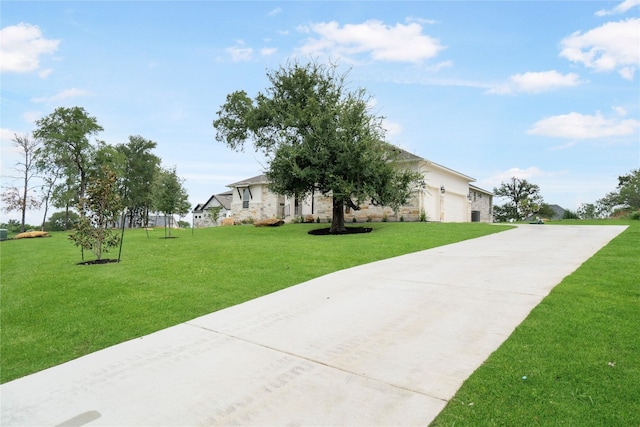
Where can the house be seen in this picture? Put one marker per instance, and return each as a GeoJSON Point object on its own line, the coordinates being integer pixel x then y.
{"type": "Point", "coordinates": [447, 196]}
{"type": "Point", "coordinates": [203, 214]}
{"type": "Point", "coordinates": [481, 204]}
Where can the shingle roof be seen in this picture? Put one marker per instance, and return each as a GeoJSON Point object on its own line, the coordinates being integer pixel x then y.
{"type": "Point", "coordinates": [259, 179]}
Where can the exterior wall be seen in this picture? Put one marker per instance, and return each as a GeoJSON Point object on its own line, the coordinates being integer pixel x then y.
{"type": "Point", "coordinates": [203, 218]}
{"type": "Point", "coordinates": [454, 204]}
{"type": "Point", "coordinates": [263, 204]}
{"type": "Point", "coordinates": [482, 203]}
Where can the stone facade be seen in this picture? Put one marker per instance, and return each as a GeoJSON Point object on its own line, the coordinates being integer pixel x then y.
{"type": "Point", "coordinates": [202, 212]}
{"type": "Point", "coordinates": [447, 196]}
{"type": "Point", "coordinates": [481, 204]}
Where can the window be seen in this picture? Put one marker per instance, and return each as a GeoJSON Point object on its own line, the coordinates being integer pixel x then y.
{"type": "Point", "coordinates": [245, 198]}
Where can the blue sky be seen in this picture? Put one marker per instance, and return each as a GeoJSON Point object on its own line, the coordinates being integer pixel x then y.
{"type": "Point", "coordinates": [546, 91]}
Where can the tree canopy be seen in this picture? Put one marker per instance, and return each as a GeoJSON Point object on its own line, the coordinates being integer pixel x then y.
{"type": "Point", "coordinates": [20, 198]}
{"type": "Point", "coordinates": [523, 200]}
{"type": "Point", "coordinates": [65, 136]}
{"type": "Point", "coordinates": [318, 136]}
{"type": "Point", "coordinates": [169, 196]}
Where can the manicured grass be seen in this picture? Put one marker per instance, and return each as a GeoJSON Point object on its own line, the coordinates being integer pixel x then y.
{"type": "Point", "coordinates": [579, 350]}
{"type": "Point", "coordinates": [54, 310]}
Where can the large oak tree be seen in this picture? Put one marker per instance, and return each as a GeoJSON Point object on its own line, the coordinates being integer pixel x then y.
{"type": "Point", "coordinates": [318, 136]}
{"type": "Point", "coordinates": [523, 200]}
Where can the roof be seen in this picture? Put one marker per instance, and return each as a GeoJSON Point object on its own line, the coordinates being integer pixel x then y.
{"type": "Point", "coordinates": [259, 179]}
{"type": "Point", "coordinates": [224, 199]}
{"type": "Point", "coordinates": [481, 190]}
{"type": "Point", "coordinates": [407, 156]}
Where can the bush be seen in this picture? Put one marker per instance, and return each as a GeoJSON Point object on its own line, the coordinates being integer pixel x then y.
{"type": "Point", "coordinates": [13, 226]}
{"type": "Point", "coordinates": [635, 215]}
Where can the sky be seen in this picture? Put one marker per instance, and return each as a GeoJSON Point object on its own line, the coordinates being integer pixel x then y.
{"type": "Point", "coordinates": [546, 91]}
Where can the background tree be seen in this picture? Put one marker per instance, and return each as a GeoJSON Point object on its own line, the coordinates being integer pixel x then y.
{"type": "Point", "coordinates": [65, 136]}
{"type": "Point", "coordinates": [523, 200]}
{"type": "Point", "coordinates": [169, 196]}
{"type": "Point", "coordinates": [22, 198]}
{"type": "Point", "coordinates": [626, 197]}
{"type": "Point", "coordinates": [61, 221]}
{"type": "Point", "coordinates": [318, 137]}
{"type": "Point", "coordinates": [546, 211]}
{"type": "Point", "coordinates": [628, 191]}
{"type": "Point", "coordinates": [141, 169]}
{"type": "Point", "coordinates": [51, 175]}
{"type": "Point", "coordinates": [592, 211]}
{"type": "Point", "coordinates": [98, 212]}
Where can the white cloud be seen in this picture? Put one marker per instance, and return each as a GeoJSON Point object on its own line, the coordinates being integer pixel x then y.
{"type": "Point", "coordinates": [275, 12]}
{"type": "Point", "coordinates": [393, 129]}
{"type": "Point", "coordinates": [267, 51]}
{"type": "Point", "coordinates": [399, 43]}
{"type": "Point", "coordinates": [7, 134]}
{"type": "Point", "coordinates": [531, 174]}
{"type": "Point", "coordinates": [21, 46]}
{"type": "Point", "coordinates": [621, 8]}
{"type": "Point", "coordinates": [528, 173]}
{"type": "Point", "coordinates": [583, 126]}
{"type": "Point", "coordinates": [612, 46]}
{"type": "Point", "coordinates": [536, 82]}
{"type": "Point", "coordinates": [239, 52]}
{"type": "Point", "coordinates": [65, 94]}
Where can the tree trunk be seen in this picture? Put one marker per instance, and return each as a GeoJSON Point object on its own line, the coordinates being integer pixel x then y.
{"type": "Point", "coordinates": [23, 202]}
{"type": "Point", "coordinates": [337, 221]}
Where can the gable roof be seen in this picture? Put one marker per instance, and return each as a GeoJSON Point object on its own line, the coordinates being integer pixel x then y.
{"type": "Point", "coordinates": [404, 155]}
{"type": "Point", "coordinates": [480, 190]}
{"type": "Point", "coordinates": [224, 199]}
{"type": "Point", "coordinates": [259, 179]}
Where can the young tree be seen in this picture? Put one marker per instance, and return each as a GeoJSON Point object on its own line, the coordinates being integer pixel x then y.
{"type": "Point", "coordinates": [523, 200]}
{"type": "Point", "coordinates": [65, 135]}
{"type": "Point", "coordinates": [169, 195]}
{"type": "Point", "coordinates": [98, 211]}
{"type": "Point", "coordinates": [20, 198]}
{"type": "Point", "coordinates": [140, 171]}
{"type": "Point", "coordinates": [318, 137]}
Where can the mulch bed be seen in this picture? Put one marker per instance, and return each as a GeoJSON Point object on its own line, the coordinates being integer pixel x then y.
{"type": "Point", "coordinates": [350, 230]}
{"type": "Point", "coordinates": [97, 262]}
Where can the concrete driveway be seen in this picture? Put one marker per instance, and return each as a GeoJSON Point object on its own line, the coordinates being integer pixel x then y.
{"type": "Point", "coordinates": [387, 343]}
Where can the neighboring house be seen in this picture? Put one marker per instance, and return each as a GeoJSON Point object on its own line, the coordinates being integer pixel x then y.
{"type": "Point", "coordinates": [202, 213]}
{"type": "Point", "coordinates": [156, 219]}
{"type": "Point", "coordinates": [447, 196]}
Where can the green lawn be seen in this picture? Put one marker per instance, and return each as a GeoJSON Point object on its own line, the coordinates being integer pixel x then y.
{"type": "Point", "coordinates": [579, 350]}
{"type": "Point", "coordinates": [54, 310]}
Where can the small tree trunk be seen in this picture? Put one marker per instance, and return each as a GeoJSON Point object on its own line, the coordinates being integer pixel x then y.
{"type": "Point", "coordinates": [337, 221]}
